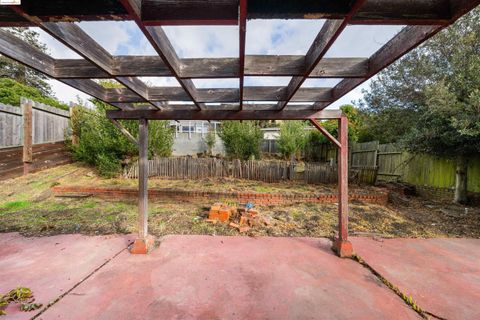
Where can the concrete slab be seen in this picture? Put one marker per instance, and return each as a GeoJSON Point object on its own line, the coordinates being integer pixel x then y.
{"type": "Point", "coordinates": [205, 277]}
{"type": "Point", "coordinates": [51, 266]}
{"type": "Point", "coordinates": [442, 275]}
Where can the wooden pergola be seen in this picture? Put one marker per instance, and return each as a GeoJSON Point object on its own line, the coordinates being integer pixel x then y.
{"type": "Point", "coordinates": [138, 101]}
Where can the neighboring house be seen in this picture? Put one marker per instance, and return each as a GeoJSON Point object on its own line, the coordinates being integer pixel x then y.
{"type": "Point", "coordinates": [190, 137]}
{"type": "Point", "coordinates": [271, 133]}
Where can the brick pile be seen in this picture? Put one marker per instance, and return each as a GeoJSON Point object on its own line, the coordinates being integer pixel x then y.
{"type": "Point", "coordinates": [245, 218]}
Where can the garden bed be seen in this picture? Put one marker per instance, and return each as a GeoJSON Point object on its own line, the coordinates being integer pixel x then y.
{"type": "Point", "coordinates": [28, 205]}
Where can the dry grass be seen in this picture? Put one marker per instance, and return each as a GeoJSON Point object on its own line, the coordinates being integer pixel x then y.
{"type": "Point", "coordinates": [27, 206]}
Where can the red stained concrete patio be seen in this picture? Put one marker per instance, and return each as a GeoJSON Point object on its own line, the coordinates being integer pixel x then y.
{"type": "Point", "coordinates": [205, 277]}
{"type": "Point", "coordinates": [443, 275]}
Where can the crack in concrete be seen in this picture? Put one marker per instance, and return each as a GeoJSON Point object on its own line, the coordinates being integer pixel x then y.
{"type": "Point", "coordinates": [51, 303]}
{"type": "Point", "coordinates": [407, 299]}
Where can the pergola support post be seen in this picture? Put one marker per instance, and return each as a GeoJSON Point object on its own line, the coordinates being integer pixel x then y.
{"type": "Point", "coordinates": [145, 242]}
{"type": "Point", "coordinates": [341, 245]}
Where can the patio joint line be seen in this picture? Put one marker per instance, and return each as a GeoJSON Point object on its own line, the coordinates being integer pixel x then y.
{"type": "Point", "coordinates": [50, 304]}
{"type": "Point", "coordinates": [408, 300]}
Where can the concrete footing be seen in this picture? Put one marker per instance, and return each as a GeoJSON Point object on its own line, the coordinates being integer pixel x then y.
{"type": "Point", "coordinates": [342, 248]}
{"type": "Point", "coordinates": [143, 245]}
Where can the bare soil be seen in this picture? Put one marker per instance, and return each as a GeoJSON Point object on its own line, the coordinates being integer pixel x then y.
{"type": "Point", "coordinates": [28, 206]}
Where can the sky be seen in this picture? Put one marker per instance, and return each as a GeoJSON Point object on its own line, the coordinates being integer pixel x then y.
{"type": "Point", "coordinates": [271, 37]}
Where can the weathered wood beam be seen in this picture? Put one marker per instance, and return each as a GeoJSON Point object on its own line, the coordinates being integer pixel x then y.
{"type": "Point", "coordinates": [255, 65]}
{"type": "Point", "coordinates": [160, 42]}
{"type": "Point", "coordinates": [330, 31]}
{"type": "Point", "coordinates": [245, 114]}
{"type": "Point", "coordinates": [225, 12]}
{"type": "Point", "coordinates": [26, 54]}
{"type": "Point", "coordinates": [87, 86]}
{"type": "Point", "coordinates": [403, 12]}
{"type": "Point", "coordinates": [167, 12]}
{"type": "Point", "coordinates": [325, 132]}
{"type": "Point", "coordinates": [123, 95]}
{"type": "Point", "coordinates": [124, 131]}
{"type": "Point", "coordinates": [79, 41]}
{"type": "Point", "coordinates": [167, 53]}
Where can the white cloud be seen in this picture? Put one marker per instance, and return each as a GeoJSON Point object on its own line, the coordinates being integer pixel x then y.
{"type": "Point", "coordinates": [111, 35]}
{"type": "Point", "coordinates": [361, 40]}
{"type": "Point", "coordinates": [281, 36]}
{"type": "Point", "coordinates": [204, 41]}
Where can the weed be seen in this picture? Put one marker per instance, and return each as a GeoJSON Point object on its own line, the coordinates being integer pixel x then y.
{"type": "Point", "coordinates": [16, 205]}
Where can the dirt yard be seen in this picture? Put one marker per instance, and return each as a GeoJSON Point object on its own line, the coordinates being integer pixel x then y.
{"type": "Point", "coordinates": [28, 206]}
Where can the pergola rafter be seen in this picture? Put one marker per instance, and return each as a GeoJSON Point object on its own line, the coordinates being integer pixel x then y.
{"type": "Point", "coordinates": [136, 100]}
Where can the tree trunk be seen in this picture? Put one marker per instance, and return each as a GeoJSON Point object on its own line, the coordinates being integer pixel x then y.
{"type": "Point", "coordinates": [461, 180]}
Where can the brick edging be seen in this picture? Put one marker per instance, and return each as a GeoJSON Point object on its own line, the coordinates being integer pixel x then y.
{"type": "Point", "coordinates": [182, 195]}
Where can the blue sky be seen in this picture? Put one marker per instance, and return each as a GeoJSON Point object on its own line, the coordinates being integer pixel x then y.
{"type": "Point", "coordinates": [273, 37]}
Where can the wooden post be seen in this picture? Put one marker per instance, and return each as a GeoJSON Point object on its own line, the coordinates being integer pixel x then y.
{"type": "Point", "coordinates": [341, 245]}
{"type": "Point", "coordinates": [144, 242]}
{"type": "Point", "coordinates": [27, 135]}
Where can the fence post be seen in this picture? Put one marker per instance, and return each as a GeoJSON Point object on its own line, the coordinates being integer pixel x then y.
{"type": "Point", "coordinates": [27, 134]}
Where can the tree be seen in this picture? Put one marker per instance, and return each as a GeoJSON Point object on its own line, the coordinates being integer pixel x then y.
{"type": "Point", "coordinates": [430, 99]}
{"type": "Point", "coordinates": [20, 73]}
{"type": "Point", "coordinates": [292, 138]}
{"type": "Point", "coordinates": [11, 91]}
{"type": "Point", "coordinates": [210, 140]}
{"type": "Point", "coordinates": [241, 139]}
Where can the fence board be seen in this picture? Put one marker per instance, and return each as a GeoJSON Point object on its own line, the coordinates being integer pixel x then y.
{"type": "Point", "coordinates": [49, 124]}
{"type": "Point", "coordinates": [193, 168]}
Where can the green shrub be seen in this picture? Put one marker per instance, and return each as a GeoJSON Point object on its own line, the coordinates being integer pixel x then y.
{"type": "Point", "coordinates": [292, 138]}
{"type": "Point", "coordinates": [109, 166]}
{"type": "Point", "coordinates": [101, 144]}
{"type": "Point", "coordinates": [241, 139]}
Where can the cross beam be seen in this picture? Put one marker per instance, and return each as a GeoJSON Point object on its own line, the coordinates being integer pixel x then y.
{"type": "Point", "coordinates": [245, 114]}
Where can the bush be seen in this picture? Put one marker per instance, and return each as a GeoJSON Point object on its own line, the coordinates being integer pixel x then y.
{"type": "Point", "coordinates": [242, 140]}
{"type": "Point", "coordinates": [107, 165]}
{"type": "Point", "coordinates": [210, 140]}
{"type": "Point", "coordinates": [101, 144]}
{"type": "Point", "coordinates": [292, 138]}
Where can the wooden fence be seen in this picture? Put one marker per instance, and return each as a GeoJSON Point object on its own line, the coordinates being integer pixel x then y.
{"type": "Point", "coordinates": [395, 164]}
{"type": "Point", "coordinates": [267, 171]}
{"type": "Point", "coordinates": [49, 124]}
{"type": "Point", "coordinates": [44, 156]}
{"type": "Point", "coordinates": [31, 137]}
{"type": "Point", "coordinates": [194, 168]}
{"type": "Point", "coordinates": [318, 173]}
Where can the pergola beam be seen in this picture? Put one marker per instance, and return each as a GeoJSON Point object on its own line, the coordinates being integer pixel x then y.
{"type": "Point", "coordinates": [330, 31]}
{"type": "Point", "coordinates": [160, 42]}
{"type": "Point", "coordinates": [245, 114]}
{"type": "Point", "coordinates": [220, 94]}
{"type": "Point", "coordinates": [203, 68]}
{"type": "Point", "coordinates": [225, 12]}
